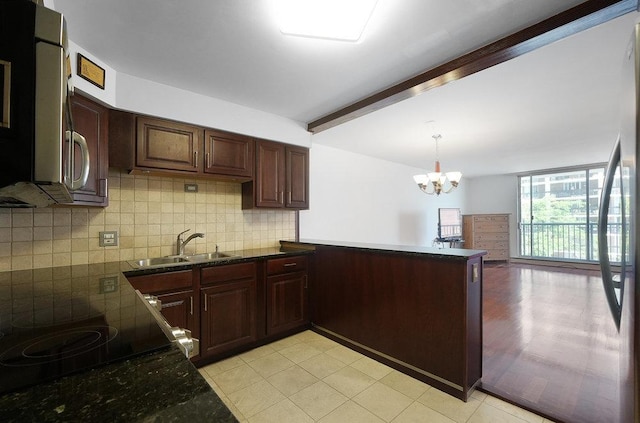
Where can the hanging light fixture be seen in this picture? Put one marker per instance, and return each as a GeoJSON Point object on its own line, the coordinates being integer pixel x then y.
{"type": "Point", "coordinates": [437, 182]}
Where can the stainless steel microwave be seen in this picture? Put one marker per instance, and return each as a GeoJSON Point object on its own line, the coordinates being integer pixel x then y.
{"type": "Point", "coordinates": [39, 149]}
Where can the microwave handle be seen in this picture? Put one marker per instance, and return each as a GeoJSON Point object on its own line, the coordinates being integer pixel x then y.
{"type": "Point", "coordinates": [80, 141]}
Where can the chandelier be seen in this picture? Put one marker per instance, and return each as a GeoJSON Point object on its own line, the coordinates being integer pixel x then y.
{"type": "Point", "coordinates": [437, 182]}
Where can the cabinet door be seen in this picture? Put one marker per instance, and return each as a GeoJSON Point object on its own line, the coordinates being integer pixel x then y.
{"type": "Point", "coordinates": [228, 154]}
{"type": "Point", "coordinates": [167, 145]}
{"type": "Point", "coordinates": [286, 302]}
{"type": "Point", "coordinates": [297, 178]}
{"type": "Point", "coordinates": [270, 174]}
{"type": "Point", "coordinates": [177, 308]}
{"type": "Point", "coordinates": [155, 283]}
{"type": "Point", "coordinates": [92, 121]}
{"type": "Point", "coordinates": [228, 316]}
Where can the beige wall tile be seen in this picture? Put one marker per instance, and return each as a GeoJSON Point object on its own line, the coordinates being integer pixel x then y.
{"type": "Point", "coordinates": [148, 213]}
{"type": "Point", "coordinates": [5, 218]}
{"type": "Point", "coordinates": [44, 233]}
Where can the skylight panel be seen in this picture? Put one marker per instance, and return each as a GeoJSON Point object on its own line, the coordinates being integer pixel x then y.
{"type": "Point", "coordinates": [343, 20]}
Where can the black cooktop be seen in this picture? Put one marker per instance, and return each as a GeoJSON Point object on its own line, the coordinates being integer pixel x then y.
{"type": "Point", "coordinates": [62, 320]}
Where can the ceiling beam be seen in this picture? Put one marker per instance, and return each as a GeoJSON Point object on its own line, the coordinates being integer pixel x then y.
{"type": "Point", "coordinates": [581, 17]}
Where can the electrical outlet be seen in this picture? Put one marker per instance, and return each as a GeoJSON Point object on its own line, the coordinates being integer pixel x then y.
{"type": "Point", "coordinates": [109, 284]}
{"type": "Point", "coordinates": [190, 187]}
{"type": "Point", "coordinates": [108, 239]}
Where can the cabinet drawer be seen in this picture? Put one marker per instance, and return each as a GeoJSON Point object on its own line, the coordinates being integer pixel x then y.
{"type": "Point", "coordinates": [491, 218]}
{"type": "Point", "coordinates": [497, 236]}
{"type": "Point", "coordinates": [286, 264]}
{"type": "Point", "coordinates": [491, 227]}
{"type": "Point", "coordinates": [227, 273]}
{"type": "Point", "coordinates": [161, 282]}
{"type": "Point", "coordinates": [490, 245]}
{"type": "Point", "coordinates": [497, 255]}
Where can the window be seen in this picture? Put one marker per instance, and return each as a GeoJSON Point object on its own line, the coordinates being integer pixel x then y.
{"type": "Point", "coordinates": [558, 213]}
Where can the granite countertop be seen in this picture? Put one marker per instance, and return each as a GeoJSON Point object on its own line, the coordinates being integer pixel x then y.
{"type": "Point", "coordinates": [153, 387]}
{"type": "Point", "coordinates": [157, 387]}
{"type": "Point", "coordinates": [451, 253]}
{"type": "Point", "coordinates": [239, 256]}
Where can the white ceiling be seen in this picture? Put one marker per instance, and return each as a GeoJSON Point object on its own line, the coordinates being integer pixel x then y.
{"type": "Point", "coordinates": [552, 107]}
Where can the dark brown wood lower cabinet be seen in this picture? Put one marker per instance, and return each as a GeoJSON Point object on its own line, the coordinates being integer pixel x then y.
{"type": "Point", "coordinates": [178, 309]}
{"type": "Point", "coordinates": [175, 291]}
{"type": "Point", "coordinates": [228, 314]}
{"type": "Point", "coordinates": [421, 314]}
{"type": "Point", "coordinates": [286, 302]}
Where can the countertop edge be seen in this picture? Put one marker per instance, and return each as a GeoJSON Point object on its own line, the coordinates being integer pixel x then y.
{"type": "Point", "coordinates": [446, 253]}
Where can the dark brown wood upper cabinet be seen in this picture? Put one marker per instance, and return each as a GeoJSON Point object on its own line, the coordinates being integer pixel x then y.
{"type": "Point", "coordinates": [228, 154]}
{"type": "Point", "coordinates": [297, 177]}
{"type": "Point", "coordinates": [167, 145]}
{"type": "Point", "coordinates": [151, 145]}
{"type": "Point", "coordinates": [270, 174]}
{"type": "Point", "coordinates": [282, 177]}
{"type": "Point", "coordinates": [92, 121]}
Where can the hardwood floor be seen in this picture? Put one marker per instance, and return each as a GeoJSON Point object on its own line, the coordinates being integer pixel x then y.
{"type": "Point", "coordinates": [550, 344]}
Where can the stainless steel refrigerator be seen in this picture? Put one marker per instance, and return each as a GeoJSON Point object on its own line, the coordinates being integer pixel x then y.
{"type": "Point", "coordinates": [619, 234]}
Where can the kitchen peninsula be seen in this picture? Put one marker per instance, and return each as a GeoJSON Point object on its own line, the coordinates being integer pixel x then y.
{"type": "Point", "coordinates": [416, 309]}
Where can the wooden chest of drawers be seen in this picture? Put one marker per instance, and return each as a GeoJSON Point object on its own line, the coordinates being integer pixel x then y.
{"type": "Point", "coordinates": [487, 232]}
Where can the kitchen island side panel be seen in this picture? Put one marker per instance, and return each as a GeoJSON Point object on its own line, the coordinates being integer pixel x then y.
{"type": "Point", "coordinates": [410, 308]}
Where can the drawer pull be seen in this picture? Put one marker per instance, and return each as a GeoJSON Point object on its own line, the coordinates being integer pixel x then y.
{"type": "Point", "coordinates": [290, 264]}
{"type": "Point", "coordinates": [191, 305]}
{"type": "Point", "coordinates": [195, 159]}
{"type": "Point", "coordinates": [172, 304]}
{"type": "Point", "coordinates": [205, 302]}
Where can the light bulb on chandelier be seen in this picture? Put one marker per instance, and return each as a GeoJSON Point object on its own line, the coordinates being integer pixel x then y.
{"type": "Point", "coordinates": [437, 181]}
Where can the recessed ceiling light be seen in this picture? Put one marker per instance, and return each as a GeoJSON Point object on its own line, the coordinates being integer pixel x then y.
{"type": "Point", "coordinates": [343, 20]}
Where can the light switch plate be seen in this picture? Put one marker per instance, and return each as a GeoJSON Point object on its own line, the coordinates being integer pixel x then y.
{"type": "Point", "coordinates": [108, 239]}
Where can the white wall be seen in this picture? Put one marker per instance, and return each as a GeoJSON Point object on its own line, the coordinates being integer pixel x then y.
{"type": "Point", "coordinates": [143, 96]}
{"type": "Point", "coordinates": [363, 199]}
{"type": "Point", "coordinates": [126, 92]}
{"type": "Point", "coordinates": [495, 194]}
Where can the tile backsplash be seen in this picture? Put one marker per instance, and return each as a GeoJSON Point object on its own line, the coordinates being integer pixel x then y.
{"type": "Point", "coordinates": [148, 212]}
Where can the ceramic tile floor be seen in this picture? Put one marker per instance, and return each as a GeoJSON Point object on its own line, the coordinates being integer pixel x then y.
{"type": "Point", "coordinates": [309, 378]}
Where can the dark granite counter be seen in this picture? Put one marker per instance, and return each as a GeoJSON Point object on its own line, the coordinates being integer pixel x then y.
{"type": "Point", "coordinates": [442, 253]}
{"type": "Point", "coordinates": [155, 383]}
{"type": "Point", "coordinates": [153, 386]}
{"type": "Point", "coordinates": [157, 387]}
{"type": "Point", "coordinates": [238, 257]}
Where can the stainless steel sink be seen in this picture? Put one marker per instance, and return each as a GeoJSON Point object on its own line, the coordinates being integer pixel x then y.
{"type": "Point", "coordinates": [174, 260]}
{"type": "Point", "coordinates": [205, 257]}
{"type": "Point", "coordinates": [158, 261]}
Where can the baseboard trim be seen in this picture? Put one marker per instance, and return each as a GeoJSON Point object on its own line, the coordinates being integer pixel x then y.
{"type": "Point", "coordinates": [554, 263]}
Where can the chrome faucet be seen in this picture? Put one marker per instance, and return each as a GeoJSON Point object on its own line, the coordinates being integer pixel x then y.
{"type": "Point", "coordinates": [180, 244]}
